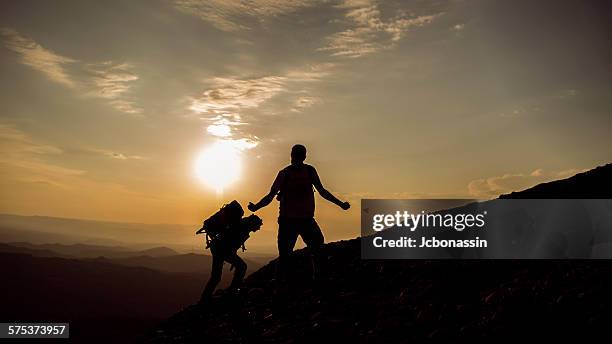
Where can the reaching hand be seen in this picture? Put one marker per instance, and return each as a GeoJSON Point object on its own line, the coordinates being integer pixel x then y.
{"type": "Point", "coordinates": [345, 205]}
{"type": "Point", "coordinates": [252, 207]}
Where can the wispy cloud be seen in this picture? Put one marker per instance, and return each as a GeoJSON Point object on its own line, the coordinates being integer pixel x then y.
{"type": "Point", "coordinates": [15, 141]}
{"type": "Point", "coordinates": [494, 186]}
{"type": "Point", "coordinates": [26, 160]}
{"type": "Point", "coordinates": [230, 15]}
{"type": "Point", "coordinates": [314, 72]}
{"type": "Point", "coordinates": [229, 94]}
{"type": "Point", "coordinates": [368, 32]}
{"type": "Point", "coordinates": [220, 129]}
{"type": "Point", "coordinates": [116, 155]}
{"type": "Point", "coordinates": [34, 55]}
{"type": "Point", "coordinates": [19, 151]}
{"type": "Point", "coordinates": [356, 197]}
{"type": "Point", "coordinates": [458, 27]}
{"type": "Point", "coordinates": [112, 81]}
{"type": "Point", "coordinates": [226, 99]}
{"type": "Point", "coordinates": [304, 102]}
{"type": "Point", "coordinates": [223, 103]}
{"type": "Point", "coordinates": [564, 94]}
{"type": "Point", "coordinates": [107, 80]}
{"type": "Point", "coordinates": [535, 105]}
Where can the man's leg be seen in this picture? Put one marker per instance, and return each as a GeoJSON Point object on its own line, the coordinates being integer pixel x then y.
{"type": "Point", "coordinates": [215, 278]}
{"type": "Point", "coordinates": [287, 236]}
{"type": "Point", "coordinates": [313, 237]}
{"type": "Point", "coordinates": [240, 268]}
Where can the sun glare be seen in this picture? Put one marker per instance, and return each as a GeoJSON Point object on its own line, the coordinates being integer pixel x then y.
{"type": "Point", "coordinates": [218, 166]}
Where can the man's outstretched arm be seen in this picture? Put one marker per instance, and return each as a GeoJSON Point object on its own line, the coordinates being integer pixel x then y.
{"type": "Point", "coordinates": [267, 199]}
{"type": "Point", "coordinates": [326, 194]}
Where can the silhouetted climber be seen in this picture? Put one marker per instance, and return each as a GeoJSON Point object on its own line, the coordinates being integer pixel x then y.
{"type": "Point", "coordinates": [293, 187]}
{"type": "Point", "coordinates": [226, 232]}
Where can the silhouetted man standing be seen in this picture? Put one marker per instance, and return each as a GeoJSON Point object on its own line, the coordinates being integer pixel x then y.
{"type": "Point", "coordinates": [293, 187]}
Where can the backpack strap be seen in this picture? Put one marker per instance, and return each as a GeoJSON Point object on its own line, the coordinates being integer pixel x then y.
{"type": "Point", "coordinates": [207, 240]}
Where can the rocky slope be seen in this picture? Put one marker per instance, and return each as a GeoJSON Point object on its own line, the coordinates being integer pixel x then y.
{"type": "Point", "coordinates": [414, 300]}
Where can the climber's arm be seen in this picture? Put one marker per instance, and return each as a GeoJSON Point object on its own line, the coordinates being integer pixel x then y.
{"type": "Point", "coordinates": [316, 181]}
{"type": "Point", "coordinates": [267, 199]}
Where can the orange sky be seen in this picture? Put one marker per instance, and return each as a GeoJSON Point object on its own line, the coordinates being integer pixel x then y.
{"type": "Point", "coordinates": [107, 105]}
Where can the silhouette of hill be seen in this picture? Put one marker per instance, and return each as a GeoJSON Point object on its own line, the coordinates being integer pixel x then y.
{"type": "Point", "coordinates": [73, 250]}
{"type": "Point", "coordinates": [593, 184]}
{"type": "Point", "coordinates": [126, 301]}
{"type": "Point", "coordinates": [414, 300]}
{"type": "Point", "coordinates": [157, 258]}
{"type": "Point", "coordinates": [182, 263]}
{"type": "Point", "coordinates": [127, 291]}
{"type": "Point", "coordinates": [6, 248]}
{"type": "Point", "coordinates": [91, 251]}
{"type": "Point", "coordinates": [158, 252]}
{"type": "Point", "coordinates": [12, 234]}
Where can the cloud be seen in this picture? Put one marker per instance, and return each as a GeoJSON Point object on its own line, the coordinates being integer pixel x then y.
{"type": "Point", "coordinates": [368, 32]}
{"type": "Point", "coordinates": [16, 142]}
{"type": "Point", "coordinates": [107, 80]}
{"type": "Point", "coordinates": [356, 197]}
{"type": "Point", "coordinates": [230, 15]}
{"type": "Point", "coordinates": [219, 129]}
{"type": "Point", "coordinates": [44, 169]}
{"type": "Point", "coordinates": [24, 159]}
{"type": "Point", "coordinates": [230, 94]}
{"type": "Point", "coordinates": [30, 172]}
{"type": "Point", "coordinates": [535, 105]}
{"type": "Point", "coordinates": [222, 103]}
{"type": "Point", "coordinates": [494, 186]}
{"type": "Point", "coordinates": [19, 152]}
{"type": "Point", "coordinates": [34, 55]}
{"type": "Point", "coordinates": [304, 102]}
{"type": "Point", "coordinates": [112, 81]}
{"type": "Point", "coordinates": [33, 176]}
{"type": "Point", "coordinates": [242, 144]}
{"type": "Point", "coordinates": [311, 73]}
{"type": "Point", "coordinates": [458, 27]}
{"type": "Point", "coordinates": [115, 155]}
{"type": "Point", "coordinates": [563, 94]}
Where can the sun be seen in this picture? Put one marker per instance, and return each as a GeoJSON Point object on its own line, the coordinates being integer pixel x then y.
{"type": "Point", "coordinates": [218, 165]}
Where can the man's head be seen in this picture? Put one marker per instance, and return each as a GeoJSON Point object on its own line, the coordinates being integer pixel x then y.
{"type": "Point", "coordinates": [252, 223]}
{"type": "Point", "coordinates": [298, 154]}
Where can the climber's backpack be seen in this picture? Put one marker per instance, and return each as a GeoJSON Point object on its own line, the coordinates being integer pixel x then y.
{"type": "Point", "coordinates": [222, 221]}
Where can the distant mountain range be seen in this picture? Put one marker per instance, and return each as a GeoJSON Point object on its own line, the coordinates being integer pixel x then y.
{"type": "Point", "coordinates": [185, 263]}
{"type": "Point", "coordinates": [88, 285]}
{"type": "Point", "coordinates": [131, 236]}
{"type": "Point", "coordinates": [416, 300]}
{"type": "Point", "coordinates": [102, 301]}
{"type": "Point", "coordinates": [85, 250]}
